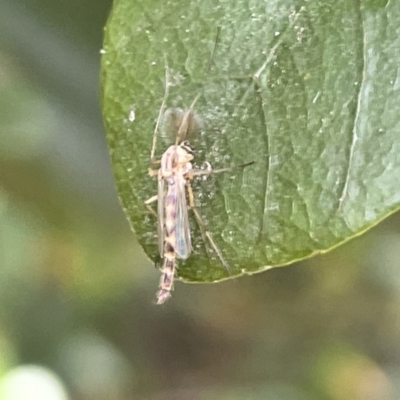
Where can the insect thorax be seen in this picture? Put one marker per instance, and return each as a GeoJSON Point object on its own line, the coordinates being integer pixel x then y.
{"type": "Point", "coordinates": [175, 157]}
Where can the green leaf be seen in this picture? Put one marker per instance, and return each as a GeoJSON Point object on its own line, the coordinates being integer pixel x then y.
{"type": "Point", "coordinates": [308, 90]}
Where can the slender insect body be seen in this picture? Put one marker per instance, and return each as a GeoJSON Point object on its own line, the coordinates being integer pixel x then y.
{"type": "Point", "coordinates": [174, 189]}
{"type": "Point", "coordinates": [174, 234]}
{"type": "Point", "coordinates": [174, 240]}
{"type": "Point", "coordinates": [167, 278]}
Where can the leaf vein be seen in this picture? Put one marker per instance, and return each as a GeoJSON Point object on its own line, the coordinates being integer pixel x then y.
{"type": "Point", "coordinates": [355, 137]}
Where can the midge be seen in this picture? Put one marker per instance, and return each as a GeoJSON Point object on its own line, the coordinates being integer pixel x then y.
{"type": "Point", "coordinates": [174, 189]}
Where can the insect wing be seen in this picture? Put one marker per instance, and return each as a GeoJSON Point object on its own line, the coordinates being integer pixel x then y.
{"type": "Point", "coordinates": [183, 241]}
{"type": "Point", "coordinates": [160, 216]}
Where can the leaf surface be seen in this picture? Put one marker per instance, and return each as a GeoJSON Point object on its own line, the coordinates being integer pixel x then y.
{"type": "Point", "coordinates": [310, 91]}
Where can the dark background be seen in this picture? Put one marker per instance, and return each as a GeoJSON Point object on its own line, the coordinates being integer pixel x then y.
{"type": "Point", "coordinates": [77, 319]}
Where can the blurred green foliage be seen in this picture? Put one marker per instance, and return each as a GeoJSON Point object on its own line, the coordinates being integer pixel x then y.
{"type": "Point", "coordinates": [76, 290]}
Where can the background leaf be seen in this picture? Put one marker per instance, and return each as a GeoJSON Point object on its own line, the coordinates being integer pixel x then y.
{"type": "Point", "coordinates": [320, 122]}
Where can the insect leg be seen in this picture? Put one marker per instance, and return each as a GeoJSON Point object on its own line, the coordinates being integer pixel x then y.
{"type": "Point", "coordinates": [210, 171]}
{"type": "Point", "coordinates": [151, 200]}
{"type": "Point", "coordinates": [203, 230]}
{"type": "Point", "coordinates": [149, 207]}
{"type": "Point", "coordinates": [161, 112]}
{"type": "Point", "coordinates": [154, 172]}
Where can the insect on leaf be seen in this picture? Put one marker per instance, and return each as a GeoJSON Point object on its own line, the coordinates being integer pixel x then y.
{"type": "Point", "coordinates": [309, 93]}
